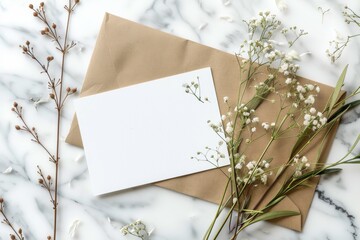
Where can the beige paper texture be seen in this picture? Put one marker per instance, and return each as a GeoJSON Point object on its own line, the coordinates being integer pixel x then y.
{"type": "Point", "coordinates": [127, 53]}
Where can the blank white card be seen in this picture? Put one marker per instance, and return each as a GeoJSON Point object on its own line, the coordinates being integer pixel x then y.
{"type": "Point", "coordinates": [148, 132]}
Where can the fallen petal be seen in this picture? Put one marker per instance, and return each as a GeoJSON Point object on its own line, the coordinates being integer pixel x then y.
{"type": "Point", "coordinates": [202, 26]}
{"type": "Point", "coordinates": [227, 18]}
{"type": "Point", "coordinates": [8, 170]}
{"type": "Point", "coordinates": [281, 5]}
{"type": "Point", "coordinates": [226, 2]}
{"type": "Point", "coordinates": [79, 158]}
{"type": "Point", "coordinates": [73, 228]}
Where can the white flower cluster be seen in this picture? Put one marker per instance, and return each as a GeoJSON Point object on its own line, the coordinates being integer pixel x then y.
{"type": "Point", "coordinates": [267, 125]}
{"type": "Point", "coordinates": [260, 30]}
{"type": "Point", "coordinates": [211, 155]}
{"type": "Point", "coordinates": [188, 86]}
{"type": "Point", "coordinates": [263, 86]}
{"type": "Point", "coordinates": [340, 42]}
{"type": "Point", "coordinates": [194, 89]}
{"type": "Point", "coordinates": [297, 33]}
{"type": "Point", "coordinates": [254, 172]}
{"type": "Point", "coordinates": [288, 67]}
{"type": "Point", "coordinates": [243, 112]}
{"type": "Point", "coordinates": [248, 118]}
{"type": "Point", "coordinates": [267, 21]}
{"type": "Point", "coordinates": [337, 46]}
{"type": "Point", "coordinates": [272, 53]}
{"type": "Point", "coordinates": [301, 164]}
{"type": "Point", "coordinates": [257, 172]}
{"type": "Point", "coordinates": [283, 60]}
{"type": "Point", "coordinates": [239, 159]}
{"type": "Point", "coordinates": [314, 119]}
{"type": "Point", "coordinates": [301, 95]}
{"type": "Point", "coordinates": [217, 127]}
{"type": "Point", "coordinates": [137, 229]}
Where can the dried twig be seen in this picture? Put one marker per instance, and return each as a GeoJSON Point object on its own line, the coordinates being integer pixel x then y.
{"type": "Point", "coordinates": [57, 94]}
{"type": "Point", "coordinates": [18, 235]}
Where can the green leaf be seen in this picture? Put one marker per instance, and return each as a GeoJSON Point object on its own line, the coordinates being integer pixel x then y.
{"type": "Point", "coordinates": [335, 95]}
{"type": "Point", "coordinates": [274, 215]}
{"type": "Point", "coordinates": [260, 95]}
{"type": "Point", "coordinates": [269, 160]}
{"type": "Point", "coordinates": [351, 149]}
{"type": "Point", "coordinates": [343, 109]}
{"type": "Point", "coordinates": [317, 172]}
{"type": "Point", "coordinates": [329, 171]}
{"type": "Point", "coordinates": [301, 141]}
{"type": "Point", "coordinates": [279, 171]}
{"type": "Point", "coordinates": [308, 133]}
{"type": "Point", "coordinates": [275, 201]}
{"type": "Point", "coordinates": [354, 161]}
{"type": "Point", "coordinates": [353, 146]}
{"type": "Point", "coordinates": [237, 144]}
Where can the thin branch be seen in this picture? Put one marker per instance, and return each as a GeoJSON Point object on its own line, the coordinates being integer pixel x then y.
{"type": "Point", "coordinates": [16, 234]}
{"type": "Point", "coordinates": [32, 131]}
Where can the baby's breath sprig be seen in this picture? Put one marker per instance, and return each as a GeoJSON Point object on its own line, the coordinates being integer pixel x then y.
{"type": "Point", "coordinates": [261, 50]}
{"type": "Point", "coordinates": [295, 32]}
{"type": "Point", "coordinates": [194, 89]}
{"type": "Point", "coordinates": [323, 12]}
{"type": "Point", "coordinates": [136, 229]}
{"type": "Point", "coordinates": [338, 45]}
{"type": "Point", "coordinates": [211, 155]}
{"type": "Point", "coordinates": [241, 126]}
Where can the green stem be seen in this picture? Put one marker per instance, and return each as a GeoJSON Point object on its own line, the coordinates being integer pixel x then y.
{"type": "Point", "coordinates": [219, 210]}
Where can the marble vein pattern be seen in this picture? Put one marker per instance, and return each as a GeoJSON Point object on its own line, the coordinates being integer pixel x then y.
{"type": "Point", "coordinates": [335, 212]}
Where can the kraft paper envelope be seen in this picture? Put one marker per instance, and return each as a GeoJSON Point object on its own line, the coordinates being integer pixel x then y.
{"type": "Point", "coordinates": [128, 53]}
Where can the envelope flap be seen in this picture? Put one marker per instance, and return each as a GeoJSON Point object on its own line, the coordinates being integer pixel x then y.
{"type": "Point", "coordinates": [101, 70]}
{"type": "Point", "coordinates": [99, 78]}
{"type": "Point", "coordinates": [211, 180]}
{"type": "Point", "coordinates": [293, 222]}
{"type": "Point", "coordinates": [140, 53]}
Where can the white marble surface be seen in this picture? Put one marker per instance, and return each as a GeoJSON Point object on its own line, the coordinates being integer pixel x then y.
{"type": "Point", "coordinates": [335, 212]}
